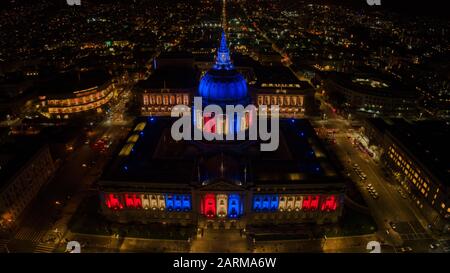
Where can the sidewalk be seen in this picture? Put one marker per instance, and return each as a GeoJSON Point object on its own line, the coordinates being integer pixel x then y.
{"type": "Point", "coordinates": [60, 228]}
{"type": "Point", "coordinates": [91, 242]}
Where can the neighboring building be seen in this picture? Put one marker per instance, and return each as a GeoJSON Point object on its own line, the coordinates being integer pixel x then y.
{"type": "Point", "coordinates": [419, 155]}
{"type": "Point", "coordinates": [75, 92]}
{"type": "Point", "coordinates": [25, 166]}
{"type": "Point", "coordinates": [221, 184]}
{"type": "Point", "coordinates": [370, 95]}
{"type": "Point", "coordinates": [166, 88]}
{"type": "Point", "coordinates": [277, 85]}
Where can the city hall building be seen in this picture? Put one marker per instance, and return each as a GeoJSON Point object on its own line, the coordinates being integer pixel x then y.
{"type": "Point", "coordinates": [221, 184]}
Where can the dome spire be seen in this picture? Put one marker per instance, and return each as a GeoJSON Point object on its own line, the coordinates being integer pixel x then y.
{"type": "Point", "coordinates": [223, 60]}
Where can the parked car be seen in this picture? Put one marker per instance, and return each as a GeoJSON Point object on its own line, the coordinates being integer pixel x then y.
{"type": "Point", "coordinates": [406, 249]}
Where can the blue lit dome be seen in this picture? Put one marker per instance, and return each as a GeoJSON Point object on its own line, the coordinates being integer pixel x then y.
{"type": "Point", "coordinates": [222, 84]}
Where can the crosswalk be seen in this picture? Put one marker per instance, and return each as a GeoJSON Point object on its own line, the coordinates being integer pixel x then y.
{"type": "Point", "coordinates": [3, 245]}
{"type": "Point", "coordinates": [29, 234]}
{"type": "Point", "coordinates": [414, 236]}
{"type": "Point", "coordinates": [44, 248]}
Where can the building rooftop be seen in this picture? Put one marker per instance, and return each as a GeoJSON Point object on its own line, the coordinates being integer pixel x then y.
{"type": "Point", "coordinates": [171, 78]}
{"type": "Point", "coordinates": [150, 155]}
{"type": "Point", "coordinates": [273, 76]}
{"type": "Point", "coordinates": [175, 55]}
{"type": "Point", "coordinates": [171, 59]}
{"type": "Point", "coordinates": [65, 84]}
{"type": "Point", "coordinates": [373, 84]}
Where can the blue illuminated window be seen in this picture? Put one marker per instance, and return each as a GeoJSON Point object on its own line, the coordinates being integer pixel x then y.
{"type": "Point", "coordinates": [169, 202]}
{"type": "Point", "coordinates": [266, 202]}
{"type": "Point", "coordinates": [186, 202]}
{"type": "Point", "coordinates": [257, 203]}
{"type": "Point", "coordinates": [177, 202]}
{"type": "Point", "coordinates": [234, 206]}
{"type": "Point", "coordinates": [274, 202]}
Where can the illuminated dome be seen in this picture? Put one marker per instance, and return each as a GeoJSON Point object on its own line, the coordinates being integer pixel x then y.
{"type": "Point", "coordinates": [222, 84]}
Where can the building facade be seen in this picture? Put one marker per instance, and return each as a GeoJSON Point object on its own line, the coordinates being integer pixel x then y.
{"type": "Point", "coordinates": [221, 184]}
{"type": "Point", "coordinates": [292, 102]}
{"type": "Point", "coordinates": [91, 91]}
{"type": "Point", "coordinates": [22, 186]}
{"type": "Point", "coordinates": [370, 95]}
{"type": "Point", "coordinates": [417, 167]}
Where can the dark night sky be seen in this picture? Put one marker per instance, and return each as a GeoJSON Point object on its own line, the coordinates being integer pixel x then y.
{"type": "Point", "coordinates": [412, 7]}
{"type": "Point", "coordinates": [407, 7]}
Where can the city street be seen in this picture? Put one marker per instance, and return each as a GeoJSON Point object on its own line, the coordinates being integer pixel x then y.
{"type": "Point", "coordinates": [44, 223]}
{"type": "Point", "coordinates": [390, 207]}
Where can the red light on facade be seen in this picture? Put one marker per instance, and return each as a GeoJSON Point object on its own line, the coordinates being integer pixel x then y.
{"type": "Point", "coordinates": [112, 201]}
{"type": "Point", "coordinates": [129, 201]}
{"type": "Point", "coordinates": [132, 201]}
{"type": "Point", "coordinates": [209, 124]}
{"type": "Point", "coordinates": [315, 202]}
{"type": "Point", "coordinates": [209, 205]}
{"type": "Point", "coordinates": [137, 201]}
{"type": "Point", "coordinates": [306, 202]}
{"type": "Point", "coordinates": [329, 204]}
{"type": "Point", "coordinates": [310, 202]}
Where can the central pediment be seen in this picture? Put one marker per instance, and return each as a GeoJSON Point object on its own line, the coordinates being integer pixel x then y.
{"type": "Point", "coordinates": [221, 185]}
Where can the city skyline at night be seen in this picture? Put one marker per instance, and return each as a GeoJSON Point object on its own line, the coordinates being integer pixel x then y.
{"type": "Point", "coordinates": [322, 127]}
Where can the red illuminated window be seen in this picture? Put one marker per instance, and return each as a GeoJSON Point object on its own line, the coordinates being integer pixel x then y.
{"type": "Point", "coordinates": [306, 203]}
{"type": "Point", "coordinates": [132, 201]}
{"type": "Point", "coordinates": [137, 201]}
{"type": "Point", "coordinates": [209, 124]}
{"type": "Point", "coordinates": [329, 203]}
{"type": "Point", "coordinates": [112, 201]}
{"type": "Point", "coordinates": [129, 201]}
{"type": "Point", "coordinates": [209, 205]}
{"type": "Point", "coordinates": [315, 202]}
